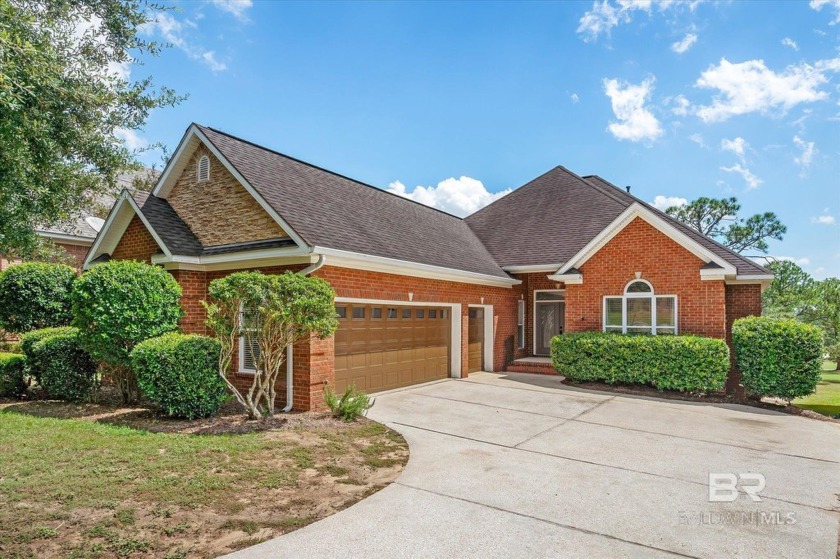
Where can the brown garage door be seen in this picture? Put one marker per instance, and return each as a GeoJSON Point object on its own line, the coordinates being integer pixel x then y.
{"type": "Point", "coordinates": [379, 347]}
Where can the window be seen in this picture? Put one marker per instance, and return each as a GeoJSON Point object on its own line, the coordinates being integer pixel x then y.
{"type": "Point", "coordinates": [640, 311]}
{"type": "Point", "coordinates": [420, 313]}
{"type": "Point", "coordinates": [341, 312]}
{"type": "Point", "coordinates": [520, 324]}
{"type": "Point", "coordinates": [376, 312]}
{"type": "Point", "coordinates": [358, 312]}
{"type": "Point", "coordinates": [203, 171]}
{"type": "Point", "coordinates": [392, 312]}
{"type": "Point", "coordinates": [432, 313]}
{"type": "Point", "coordinates": [406, 313]}
{"type": "Point", "coordinates": [443, 313]}
{"type": "Point", "coordinates": [249, 348]}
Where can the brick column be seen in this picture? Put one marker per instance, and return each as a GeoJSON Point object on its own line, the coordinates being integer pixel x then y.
{"type": "Point", "coordinates": [314, 368]}
{"type": "Point", "coordinates": [193, 291]}
{"type": "Point", "coordinates": [741, 301]}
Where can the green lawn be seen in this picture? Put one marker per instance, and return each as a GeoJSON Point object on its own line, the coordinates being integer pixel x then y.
{"type": "Point", "coordinates": [826, 400]}
{"type": "Point", "coordinates": [81, 488]}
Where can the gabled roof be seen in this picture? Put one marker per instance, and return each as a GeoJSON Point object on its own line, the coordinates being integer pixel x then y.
{"type": "Point", "coordinates": [743, 265]}
{"type": "Point", "coordinates": [332, 211]}
{"type": "Point", "coordinates": [168, 225]}
{"type": "Point", "coordinates": [548, 220]}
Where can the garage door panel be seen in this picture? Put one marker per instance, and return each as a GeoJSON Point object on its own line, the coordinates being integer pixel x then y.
{"type": "Point", "coordinates": [392, 347]}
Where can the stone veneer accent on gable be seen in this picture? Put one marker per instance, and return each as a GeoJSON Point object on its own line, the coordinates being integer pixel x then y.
{"type": "Point", "coordinates": [220, 211]}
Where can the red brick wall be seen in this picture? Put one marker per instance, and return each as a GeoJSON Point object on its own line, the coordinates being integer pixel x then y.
{"type": "Point", "coordinates": [78, 252]}
{"type": "Point", "coordinates": [136, 243]}
{"type": "Point", "coordinates": [669, 267]}
{"type": "Point", "coordinates": [741, 301]}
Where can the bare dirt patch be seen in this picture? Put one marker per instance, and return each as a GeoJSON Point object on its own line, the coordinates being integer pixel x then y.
{"type": "Point", "coordinates": [104, 480]}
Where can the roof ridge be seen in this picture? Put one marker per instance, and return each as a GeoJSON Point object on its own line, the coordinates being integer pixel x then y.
{"type": "Point", "coordinates": [324, 169]}
{"type": "Point", "coordinates": [680, 223]}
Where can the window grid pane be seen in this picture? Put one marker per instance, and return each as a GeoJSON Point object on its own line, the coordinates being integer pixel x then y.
{"type": "Point", "coordinates": [613, 308]}
{"type": "Point", "coordinates": [639, 313]}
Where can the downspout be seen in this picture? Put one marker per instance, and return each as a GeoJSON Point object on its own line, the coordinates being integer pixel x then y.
{"type": "Point", "coordinates": [289, 351]}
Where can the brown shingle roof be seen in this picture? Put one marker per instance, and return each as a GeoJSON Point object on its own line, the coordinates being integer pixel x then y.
{"type": "Point", "coordinates": [743, 265]}
{"type": "Point", "coordinates": [330, 210]}
{"type": "Point", "coordinates": [546, 221]}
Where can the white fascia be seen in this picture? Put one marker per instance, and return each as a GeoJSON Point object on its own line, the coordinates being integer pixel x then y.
{"type": "Point", "coordinates": [65, 238]}
{"type": "Point", "coordinates": [627, 216]}
{"type": "Point", "coordinates": [568, 279]}
{"type": "Point", "coordinates": [533, 268]}
{"type": "Point", "coordinates": [359, 261]}
{"type": "Point", "coordinates": [188, 144]}
{"type": "Point", "coordinates": [115, 225]}
{"type": "Point", "coordinates": [252, 258]}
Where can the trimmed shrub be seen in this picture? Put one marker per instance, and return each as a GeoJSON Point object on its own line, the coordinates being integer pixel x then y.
{"type": "Point", "coordinates": [64, 370]}
{"type": "Point", "coordinates": [778, 358]}
{"type": "Point", "coordinates": [179, 373]}
{"type": "Point", "coordinates": [29, 340]}
{"type": "Point", "coordinates": [35, 295]}
{"type": "Point", "coordinates": [119, 304]}
{"type": "Point", "coordinates": [684, 363]}
{"type": "Point", "coordinates": [353, 403]}
{"type": "Point", "coordinates": [12, 375]}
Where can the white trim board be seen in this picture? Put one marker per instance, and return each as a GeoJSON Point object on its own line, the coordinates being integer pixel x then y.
{"type": "Point", "coordinates": [454, 328]}
{"type": "Point", "coordinates": [626, 217]}
{"type": "Point", "coordinates": [173, 170]}
{"type": "Point", "coordinates": [359, 261]}
{"type": "Point", "coordinates": [119, 217]}
{"type": "Point", "coordinates": [489, 337]}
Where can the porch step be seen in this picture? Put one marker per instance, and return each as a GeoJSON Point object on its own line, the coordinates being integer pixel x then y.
{"type": "Point", "coordinates": [534, 365]}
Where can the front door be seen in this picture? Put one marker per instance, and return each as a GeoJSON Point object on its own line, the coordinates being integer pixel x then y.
{"type": "Point", "coordinates": [549, 318]}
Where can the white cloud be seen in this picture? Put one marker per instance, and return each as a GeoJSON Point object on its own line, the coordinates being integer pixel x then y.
{"type": "Point", "coordinates": [751, 180]}
{"type": "Point", "coordinates": [807, 156]}
{"type": "Point", "coordinates": [824, 219]}
{"type": "Point", "coordinates": [835, 4]}
{"type": "Point", "coordinates": [665, 202]}
{"type": "Point", "coordinates": [686, 43]}
{"type": "Point", "coordinates": [635, 121]}
{"type": "Point", "coordinates": [605, 14]}
{"type": "Point", "coordinates": [788, 42]}
{"type": "Point", "coordinates": [237, 8]}
{"type": "Point", "coordinates": [750, 86]}
{"type": "Point", "coordinates": [575, 98]}
{"type": "Point", "coordinates": [460, 197]}
{"type": "Point", "coordinates": [738, 146]}
{"type": "Point", "coordinates": [172, 31]}
{"type": "Point", "coordinates": [681, 105]}
{"type": "Point", "coordinates": [130, 139]}
{"type": "Point", "coordinates": [697, 139]}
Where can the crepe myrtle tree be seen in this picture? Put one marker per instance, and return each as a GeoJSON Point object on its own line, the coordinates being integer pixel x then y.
{"type": "Point", "coordinates": [271, 312]}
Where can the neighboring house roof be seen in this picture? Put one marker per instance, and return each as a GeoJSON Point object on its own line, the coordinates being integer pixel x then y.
{"type": "Point", "coordinates": [743, 265]}
{"type": "Point", "coordinates": [548, 220]}
{"type": "Point", "coordinates": [330, 210]}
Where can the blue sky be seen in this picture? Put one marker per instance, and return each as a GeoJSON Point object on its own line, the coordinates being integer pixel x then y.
{"type": "Point", "coordinates": [453, 103]}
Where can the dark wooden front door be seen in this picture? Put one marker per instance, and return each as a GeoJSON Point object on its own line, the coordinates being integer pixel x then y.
{"type": "Point", "coordinates": [550, 319]}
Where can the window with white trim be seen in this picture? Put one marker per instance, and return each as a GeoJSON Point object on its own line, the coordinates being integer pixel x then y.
{"type": "Point", "coordinates": [520, 324]}
{"type": "Point", "coordinates": [203, 170]}
{"type": "Point", "coordinates": [249, 348]}
{"type": "Point", "coordinates": [640, 311]}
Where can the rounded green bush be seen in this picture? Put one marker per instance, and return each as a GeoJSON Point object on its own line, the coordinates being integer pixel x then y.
{"type": "Point", "coordinates": [119, 304]}
{"type": "Point", "coordinates": [65, 370]}
{"type": "Point", "coordinates": [12, 375]}
{"type": "Point", "coordinates": [35, 295]}
{"type": "Point", "coordinates": [778, 358]}
{"type": "Point", "coordinates": [684, 363]}
{"type": "Point", "coordinates": [29, 340]}
{"type": "Point", "coordinates": [179, 373]}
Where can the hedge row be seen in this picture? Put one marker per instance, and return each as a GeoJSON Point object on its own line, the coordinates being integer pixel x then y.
{"type": "Point", "coordinates": [12, 375]}
{"type": "Point", "coordinates": [684, 363]}
{"type": "Point", "coordinates": [57, 362]}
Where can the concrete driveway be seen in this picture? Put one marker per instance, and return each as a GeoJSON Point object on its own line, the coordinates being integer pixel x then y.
{"type": "Point", "coordinates": [512, 465]}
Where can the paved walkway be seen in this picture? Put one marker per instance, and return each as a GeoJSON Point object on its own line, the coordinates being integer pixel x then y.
{"type": "Point", "coordinates": [515, 465]}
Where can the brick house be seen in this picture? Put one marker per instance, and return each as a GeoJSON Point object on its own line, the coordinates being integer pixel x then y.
{"type": "Point", "coordinates": [422, 294]}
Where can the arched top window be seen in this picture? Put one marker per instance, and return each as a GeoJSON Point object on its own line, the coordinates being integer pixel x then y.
{"type": "Point", "coordinates": [640, 311]}
{"type": "Point", "coordinates": [203, 171]}
{"type": "Point", "coordinates": [640, 287]}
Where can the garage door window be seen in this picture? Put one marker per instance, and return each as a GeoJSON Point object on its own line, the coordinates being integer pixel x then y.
{"type": "Point", "coordinates": [376, 312]}
{"type": "Point", "coordinates": [359, 313]}
{"type": "Point", "coordinates": [420, 313]}
{"type": "Point", "coordinates": [341, 312]}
